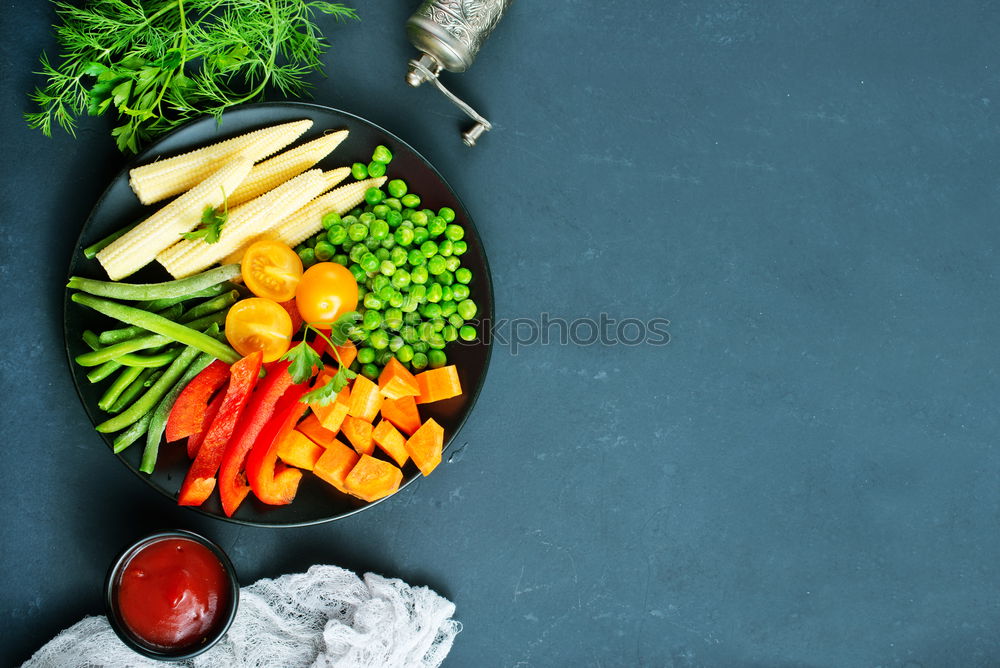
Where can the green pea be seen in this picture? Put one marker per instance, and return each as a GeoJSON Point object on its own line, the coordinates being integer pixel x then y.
{"type": "Point", "coordinates": [372, 301]}
{"type": "Point", "coordinates": [359, 171]}
{"type": "Point", "coordinates": [437, 226]}
{"type": "Point", "coordinates": [446, 294]}
{"type": "Point", "coordinates": [431, 310]}
{"type": "Point", "coordinates": [357, 252]}
{"type": "Point", "coordinates": [446, 277]}
{"type": "Point", "coordinates": [454, 232]}
{"type": "Point", "coordinates": [369, 262]}
{"type": "Point", "coordinates": [419, 275]}
{"type": "Point", "coordinates": [316, 238]}
{"type": "Point", "coordinates": [376, 169]}
{"type": "Point", "coordinates": [357, 232]}
{"type": "Point", "coordinates": [467, 333]}
{"type": "Point", "coordinates": [382, 154]}
{"type": "Point", "coordinates": [371, 319]}
{"type": "Point", "coordinates": [398, 256]}
{"type": "Point", "coordinates": [393, 318]}
{"type": "Point", "coordinates": [410, 200]}
{"type": "Point", "coordinates": [409, 304]}
{"type": "Point", "coordinates": [387, 267]}
{"type": "Point", "coordinates": [357, 272]}
{"type": "Point", "coordinates": [434, 293]}
{"type": "Point", "coordinates": [426, 330]}
{"type": "Point", "coordinates": [396, 342]}
{"type": "Point", "coordinates": [409, 333]}
{"type": "Point", "coordinates": [416, 258]}
{"type": "Point", "coordinates": [341, 259]}
{"type": "Point", "coordinates": [459, 292]}
{"type": "Point", "coordinates": [394, 218]}
{"type": "Point", "coordinates": [308, 257]}
{"type": "Point", "coordinates": [396, 187]}
{"type": "Point", "coordinates": [405, 353]}
{"type": "Point", "coordinates": [369, 371]}
{"type": "Point", "coordinates": [367, 218]}
{"type": "Point", "coordinates": [403, 236]}
{"type": "Point", "coordinates": [438, 324]}
{"type": "Point", "coordinates": [389, 242]}
{"type": "Point", "coordinates": [393, 204]}
{"type": "Point", "coordinates": [381, 210]}
{"type": "Point", "coordinates": [456, 320]}
{"type": "Point", "coordinates": [406, 213]}
{"type": "Point", "coordinates": [366, 355]}
{"type": "Point", "coordinates": [450, 333]}
{"type": "Point", "coordinates": [446, 247]}
{"type": "Point", "coordinates": [447, 213]}
{"type": "Point", "coordinates": [324, 251]}
{"type": "Point", "coordinates": [429, 249]}
{"type": "Point", "coordinates": [336, 234]}
{"type": "Point", "coordinates": [378, 339]}
{"type": "Point", "coordinates": [418, 292]}
{"type": "Point", "coordinates": [381, 253]}
{"type": "Point", "coordinates": [400, 279]}
{"type": "Point", "coordinates": [372, 244]}
{"type": "Point", "coordinates": [436, 264]}
{"type": "Point", "coordinates": [420, 236]}
{"type": "Point", "coordinates": [467, 309]}
{"type": "Point", "coordinates": [448, 307]}
{"type": "Point", "coordinates": [421, 347]}
{"type": "Point", "coordinates": [452, 263]}
{"type": "Point", "coordinates": [463, 275]}
{"type": "Point", "coordinates": [374, 195]}
{"type": "Point", "coordinates": [419, 218]}
{"type": "Point", "coordinates": [459, 248]}
{"type": "Point", "coordinates": [362, 291]}
{"type": "Point", "coordinates": [436, 342]}
{"type": "Point", "coordinates": [436, 359]}
{"type": "Point", "coordinates": [379, 229]}
{"type": "Point", "coordinates": [378, 282]}
{"type": "Point", "coordinates": [356, 211]}
{"type": "Point", "coordinates": [396, 299]}
{"type": "Point", "coordinates": [331, 219]}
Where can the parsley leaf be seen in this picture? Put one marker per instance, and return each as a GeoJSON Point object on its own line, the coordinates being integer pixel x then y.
{"type": "Point", "coordinates": [211, 225]}
{"type": "Point", "coordinates": [303, 359]}
{"type": "Point", "coordinates": [325, 394]}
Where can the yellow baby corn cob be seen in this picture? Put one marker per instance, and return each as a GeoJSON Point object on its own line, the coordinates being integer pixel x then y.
{"type": "Point", "coordinates": [190, 256]}
{"type": "Point", "coordinates": [275, 171]}
{"type": "Point", "coordinates": [164, 178]}
{"type": "Point", "coordinates": [332, 177]}
{"type": "Point", "coordinates": [308, 220]}
{"type": "Point", "coordinates": [139, 246]}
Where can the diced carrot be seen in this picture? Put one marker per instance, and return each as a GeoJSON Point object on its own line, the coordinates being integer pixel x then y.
{"type": "Point", "coordinates": [312, 429]}
{"type": "Point", "coordinates": [396, 381]}
{"type": "Point", "coordinates": [438, 384]}
{"type": "Point", "coordinates": [391, 441]}
{"type": "Point", "coordinates": [402, 413]}
{"type": "Point", "coordinates": [365, 399]}
{"type": "Point", "coordinates": [371, 479]}
{"type": "Point", "coordinates": [335, 463]}
{"type": "Point", "coordinates": [425, 446]}
{"type": "Point", "coordinates": [332, 414]}
{"type": "Point", "coordinates": [296, 449]}
{"type": "Point", "coordinates": [359, 433]}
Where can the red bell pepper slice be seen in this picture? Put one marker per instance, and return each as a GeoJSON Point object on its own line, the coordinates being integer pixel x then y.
{"type": "Point", "coordinates": [232, 486]}
{"type": "Point", "coordinates": [273, 482]}
{"type": "Point", "coordinates": [200, 479]}
{"type": "Point", "coordinates": [188, 414]}
{"type": "Point", "coordinates": [195, 440]}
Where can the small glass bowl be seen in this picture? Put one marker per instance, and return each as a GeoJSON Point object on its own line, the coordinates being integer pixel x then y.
{"type": "Point", "coordinates": [138, 644]}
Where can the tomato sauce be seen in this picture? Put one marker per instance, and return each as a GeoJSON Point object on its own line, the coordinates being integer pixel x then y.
{"type": "Point", "coordinates": [172, 593]}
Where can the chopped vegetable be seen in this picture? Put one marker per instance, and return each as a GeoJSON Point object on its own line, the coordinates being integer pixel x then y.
{"type": "Point", "coordinates": [158, 421]}
{"type": "Point", "coordinates": [312, 429]}
{"type": "Point", "coordinates": [200, 479]}
{"type": "Point", "coordinates": [160, 231]}
{"type": "Point", "coordinates": [425, 446]}
{"type": "Point", "coordinates": [359, 434]}
{"type": "Point", "coordinates": [184, 288]}
{"type": "Point", "coordinates": [438, 384]}
{"type": "Point", "coordinates": [273, 482]}
{"type": "Point", "coordinates": [366, 401]}
{"type": "Point", "coordinates": [295, 449]}
{"type": "Point", "coordinates": [331, 416]}
{"type": "Point", "coordinates": [195, 440]}
{"type": "Point", "coordinates": [390, 441]}
{"type": "Point", "coordinates": [396, 381]}
{"type": "Point", "coordinates": [335, 463]}
{"type": "Point", "coordinates": [187, 415]}
{"type": "Point", "coordinates": [402, 413]}
{"type": "Point", "coordinates": [372, 479]}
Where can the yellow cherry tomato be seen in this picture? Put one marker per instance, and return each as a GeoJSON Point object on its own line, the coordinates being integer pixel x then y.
{"type": "Point", "coordinates": [259, 324]}
{"type": "Point", "coordinates": [326, 292]}
{"type": "Point", "coordinates": [271, 270]}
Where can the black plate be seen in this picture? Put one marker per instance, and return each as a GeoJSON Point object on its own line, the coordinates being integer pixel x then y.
{"type": "Point", "coordinates": [316, 501]}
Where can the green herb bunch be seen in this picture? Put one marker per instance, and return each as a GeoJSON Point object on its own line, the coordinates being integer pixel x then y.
{"type": "Point", "coordinates": [159, 63]}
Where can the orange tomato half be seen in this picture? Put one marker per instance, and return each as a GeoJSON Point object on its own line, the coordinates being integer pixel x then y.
{"type": "Point", "coordinates": [271, 270]}
{"type": "Point", "coordinates": [326, 292]}
{"type": "Point", "coordinates": [259, 324]}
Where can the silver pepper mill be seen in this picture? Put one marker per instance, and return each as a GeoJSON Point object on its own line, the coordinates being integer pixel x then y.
{"type": "Point", "coordinates": [449, 34]}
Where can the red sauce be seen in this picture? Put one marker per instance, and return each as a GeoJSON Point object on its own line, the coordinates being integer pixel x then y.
{"type": "Point", "coordinates": [172, 593]}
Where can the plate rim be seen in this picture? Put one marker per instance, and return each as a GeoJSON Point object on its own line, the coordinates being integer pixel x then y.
{"type": "Point", "coordinates": [145, 155]}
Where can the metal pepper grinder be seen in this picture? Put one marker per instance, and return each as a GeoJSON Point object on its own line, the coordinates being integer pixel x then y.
{"type": "Point", "coordinates": [449, 34]}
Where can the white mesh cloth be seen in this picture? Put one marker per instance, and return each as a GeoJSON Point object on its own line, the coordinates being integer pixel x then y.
{"type": "Point", "coordinates": [327, 617]}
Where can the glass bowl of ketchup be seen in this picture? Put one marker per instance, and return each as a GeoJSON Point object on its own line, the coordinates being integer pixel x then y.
{"type": "Point", "coordinates": [171, 595]}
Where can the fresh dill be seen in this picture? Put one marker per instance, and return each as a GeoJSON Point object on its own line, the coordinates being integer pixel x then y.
{"type": "Point", "coordinates": [158, 63]}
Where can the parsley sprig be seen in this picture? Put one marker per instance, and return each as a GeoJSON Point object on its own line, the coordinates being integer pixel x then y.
{"type": "Point", "coordinates": [305, 361]}
{"type": "Point", "coordinates": [210, 228]}
{"type": "Point", "coordinates": [158, 63]}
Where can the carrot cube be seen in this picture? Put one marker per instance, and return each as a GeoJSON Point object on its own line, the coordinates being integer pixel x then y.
{"type": "Point", "coordinates": [438, 384]}
{"type": "Point", "coordinates": [296, 449]}
{"type": "Point", "coordinates": [371, 479]}
{"type": "Point", "coordinates": [314, 430]}
{"type": "Point", "coordinates": [332, 415]}
{"type": "Point", "coordinates": [391, 441]}
{"type": "Point", "coordinates": [402, 413]}
{"type": "Point", "coordinates": [335, 463]}
{"type": "Point", "coordinates": [425, 446]}
{"type": "Point", "coordinates": [396, 381]}
{"type": "Point", "coordinates": [365, 399]}
{"type": "Point", "coordinates": [359, 433]}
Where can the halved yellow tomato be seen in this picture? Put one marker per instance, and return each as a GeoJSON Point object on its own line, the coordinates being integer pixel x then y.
{"type": "Point", "coordinates": [326, 292]}
{"type": "Point", "coordinates": [259, 324]}
{"type": "Point", "coordinates": [271, 270]}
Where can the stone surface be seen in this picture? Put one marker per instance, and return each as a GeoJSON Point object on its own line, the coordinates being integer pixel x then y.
{"type": "Point", "coordinates": [806, 475]}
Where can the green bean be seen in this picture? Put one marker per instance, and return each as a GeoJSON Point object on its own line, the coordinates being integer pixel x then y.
{"type": "Point", "coordinates": [159, 415]}
{"type": "Point", "coordinates": [148, 291]}
{"type": "Point", "coordinates": [125, 379]}
{"type": "Point", "coordinates": [132, 434]}
{"type": "Point", "coordinates": [102, 355]}
{"type": "Point", "coordinates": [148, 400]}
{"type": "Point", "coordinates": [214, 305]}
{"type": "Point", "coordinates": [100, 373]}
{"type": "Point", "coordinates": [160, 325]}
{"type": "Point", "coordinates": [157, 305]}
{"type": "Point", "coordinates": [90, 252]}
{"type": "Point", "coordinates": [112, 336]}
{"type": "Point", "coordinates": [148, 361]}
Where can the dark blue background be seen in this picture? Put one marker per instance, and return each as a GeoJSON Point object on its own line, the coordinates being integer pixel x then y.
{"type": "Point", "coordinates": [805, 476]}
